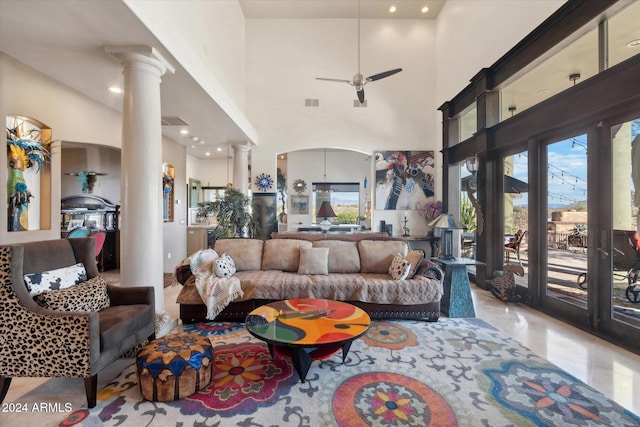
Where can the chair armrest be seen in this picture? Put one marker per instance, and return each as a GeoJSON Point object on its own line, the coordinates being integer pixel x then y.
{"type": "Point", "coordinates": [75, 336]}
{"type": "Point", "coordinates": [120, 295]}
{"type": "Point", "coordinates": [430, 269]}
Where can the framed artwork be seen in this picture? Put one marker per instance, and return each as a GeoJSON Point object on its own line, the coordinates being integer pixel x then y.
{"type": "Point", "coordinates": [264, 207]}
{"type": "Point", "coordinates": [74, 223]}
{"type": "Point", "coordinates": [299, 205]}
{"type": "Point", "coordinates": [404, 179]}
{"type": "Point", "coordinates": [195, 191]}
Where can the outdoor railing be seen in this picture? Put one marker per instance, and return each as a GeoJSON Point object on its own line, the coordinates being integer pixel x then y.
{"type": "Point", "coordinates": [566, 240]}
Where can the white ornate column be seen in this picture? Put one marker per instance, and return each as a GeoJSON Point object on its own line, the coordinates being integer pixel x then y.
{"type": "Point", "coordinates": [241, 167]}
{"type": "Point", "coordinates": [141, 262]}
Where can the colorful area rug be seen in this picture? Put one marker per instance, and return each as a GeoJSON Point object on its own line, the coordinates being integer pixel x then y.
{"type": "Point", "coordinates": [455, 372]}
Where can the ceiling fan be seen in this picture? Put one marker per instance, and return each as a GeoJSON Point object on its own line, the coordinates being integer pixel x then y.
{"type": "Point", "coordinates": [358, 80]}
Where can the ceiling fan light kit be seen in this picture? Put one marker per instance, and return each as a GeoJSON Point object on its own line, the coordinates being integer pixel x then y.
{"type": "Point", "coordinates": [359, 81]}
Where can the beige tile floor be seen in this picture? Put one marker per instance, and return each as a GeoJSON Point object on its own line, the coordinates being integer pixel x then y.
{"type": "Point", "coordinates": [613, 371]}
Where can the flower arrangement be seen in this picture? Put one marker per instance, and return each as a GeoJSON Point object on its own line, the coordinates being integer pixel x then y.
{"type": "Point", "coordinates": [430, 209]}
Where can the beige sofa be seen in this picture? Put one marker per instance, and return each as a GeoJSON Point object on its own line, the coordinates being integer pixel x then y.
{"type": "Point", "coordinates": [356, 270]}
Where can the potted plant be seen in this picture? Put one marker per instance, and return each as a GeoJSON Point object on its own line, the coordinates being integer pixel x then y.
{"type": "Point", "coordinates": [232, 213]}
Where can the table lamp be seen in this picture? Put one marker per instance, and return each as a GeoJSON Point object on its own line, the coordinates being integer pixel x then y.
{"type": "Point", "coordinates": [325, 212]}
{"type": "Point", "coordinates": [447, 223]}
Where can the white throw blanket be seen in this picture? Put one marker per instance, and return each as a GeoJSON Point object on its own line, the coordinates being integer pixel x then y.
{"type": "Point", "coordinates": [217, 293]}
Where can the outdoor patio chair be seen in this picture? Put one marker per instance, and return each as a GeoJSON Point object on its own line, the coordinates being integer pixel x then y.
{"type": "Point", "coordinates": [513, 247]}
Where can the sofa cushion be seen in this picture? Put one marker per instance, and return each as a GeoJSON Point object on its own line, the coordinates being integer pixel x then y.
{"type": "Point", "coordinates": [59, 278]}
{"type": "Point", "coordinates": [399, 268]}
{"type": "Point", "coordinates": [283, 254]}
{"type": "Point", "coordinates": [415, 257]}
{"type": "Point", "coordinates": [87, 296]}
{"type": "Point", "coordinates": [246, 253]}
{"type": "Point", "coordinates": [202, 262]}
{"type": "Point", "coordinates": [372, 288]}
{"type": "Point", "coordinates": [314, 261]}
{"type": "Point", "coordinates": [343, 256]}
{"type": "Point", "coordinates": [224, 266]}
{"type": "Point", "coordinates": [376, 255]}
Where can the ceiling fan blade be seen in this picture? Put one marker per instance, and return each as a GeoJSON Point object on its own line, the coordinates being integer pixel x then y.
{"type": "Point", "coordinates": [383, 75]}
{"type": "Point", "coordinates": [334, 80]}
{"type": "Point", "coordinates": [361, 96]}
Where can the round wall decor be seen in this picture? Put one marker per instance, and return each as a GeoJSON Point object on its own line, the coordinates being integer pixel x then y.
{"type": "Point", "coordinates": [264, 182]}
{"type": "Point", "coordinates": [299, 186]}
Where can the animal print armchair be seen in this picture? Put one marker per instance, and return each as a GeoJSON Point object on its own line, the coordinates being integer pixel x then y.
{"type": "Point", "coordinates": [68, 338]}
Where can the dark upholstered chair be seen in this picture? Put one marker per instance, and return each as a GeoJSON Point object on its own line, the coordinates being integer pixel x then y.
{"type": "Point", "coordinates": [37, 342]}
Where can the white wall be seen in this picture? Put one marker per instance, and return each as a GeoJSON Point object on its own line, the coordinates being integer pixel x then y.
{"type": "Point", "coordinates": [284, 57]}
{"type": "Point", "coordinates": [207, 38]}
{"type": "Point", "coordinates": [472, 35]}
{"type": "Point", "coordinates": [71, 117]}
{"type": "Point", "coordinates": [174, 233]}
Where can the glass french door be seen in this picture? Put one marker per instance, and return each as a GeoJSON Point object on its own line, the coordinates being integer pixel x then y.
{"type": "Point", "coordinates": [621, 295]}
{"type": "Point", "coordinates": [567, 248]}
{"type": "Point", "coordinates": [591, 257]}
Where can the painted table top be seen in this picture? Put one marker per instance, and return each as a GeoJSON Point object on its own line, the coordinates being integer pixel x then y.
{"type": "Point", "coordinates": [307, 322]}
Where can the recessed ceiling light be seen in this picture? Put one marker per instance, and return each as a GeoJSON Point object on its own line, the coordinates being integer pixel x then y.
{"type": "Point", "coordinates": [424, 9]}
{"type": "Point", "coordinates": [202, 141]}
{"type": "Point", "coordinates": [193, 146]}
{"type": "Point", "coordinates": [219, 148]}
{"type": "Point", "coordinates": [634, 43]}
{"type": "Point", "coordinates": [184, 131]}
{"type": "Point", "coordinates": [392, 9]}
{"type": "Point", "coordinates": [194, 138]}
{"type": "Point", "coordinates": [543, 92]}
{"type": "Point", "coordinates": [207, 153]}
{"type": "Point", "coordinates": [114, 89]}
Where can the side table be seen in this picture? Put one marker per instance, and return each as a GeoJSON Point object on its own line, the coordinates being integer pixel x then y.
{"type": "Point", "coordinates": [457, 301]}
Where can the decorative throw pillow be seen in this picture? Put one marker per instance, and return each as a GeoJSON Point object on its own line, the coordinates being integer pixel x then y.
{"type": "Point", "coordinates": [87, 296]}
{"type": "Point", "coordinates": [314, 261]}
{"type": "Point", "coordinates": [224, 266]}
{"type": "Point", "coordinates": [60, 278]}
{"type": "Point", "coordinates": [400, 267]}
{"type": "Point", "coordinates": [414, 257]}
{"type": "Point", "coordinates": [202, 262]}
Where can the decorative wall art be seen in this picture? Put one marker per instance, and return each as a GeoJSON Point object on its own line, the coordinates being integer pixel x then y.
{"type": "Point", "coordinates": [264, 182]}
{"type": "Point", "coordinates": [27, 151]}
{"type": "Point", "coordinates": [404, 179]}
{"type": "Point", "coordinates": [86, 179]}
{"type": "Point", "coordinates": [299, 186]}
{"type": "Point", "coordinates": [168, 174]}
{"type": "Point", "coordinates": [299, 205]}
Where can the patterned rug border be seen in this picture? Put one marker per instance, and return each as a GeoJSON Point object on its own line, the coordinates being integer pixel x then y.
{"type": "Point", "coordinates": [455, 372]}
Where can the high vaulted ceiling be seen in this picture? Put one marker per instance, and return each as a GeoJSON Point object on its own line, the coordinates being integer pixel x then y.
{"type": "Point", "coordinates": [65, 39]}
{"type": "Point", "coordinates": [336, 9]}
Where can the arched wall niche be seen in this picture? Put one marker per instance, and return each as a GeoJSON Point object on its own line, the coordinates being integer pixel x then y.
{"type": "Point", "coordinates": [28, 174]}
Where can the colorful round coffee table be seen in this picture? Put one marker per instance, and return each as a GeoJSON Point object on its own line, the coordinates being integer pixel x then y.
{"type": "Point", "coordinates": [308, 329]}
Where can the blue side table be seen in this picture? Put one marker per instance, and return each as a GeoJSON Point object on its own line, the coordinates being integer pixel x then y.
{"type": "Point", "coordinates": [457, 301]}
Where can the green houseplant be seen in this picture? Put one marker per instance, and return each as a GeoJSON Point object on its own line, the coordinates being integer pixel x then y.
{"type": "Point", "coordinates": [232, 213]}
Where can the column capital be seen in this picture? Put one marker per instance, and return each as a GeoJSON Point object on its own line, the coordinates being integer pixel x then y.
{"type": "Point", "coordinates": [140, 53]}
{"type": "Point", "coordinates": [242, 147]}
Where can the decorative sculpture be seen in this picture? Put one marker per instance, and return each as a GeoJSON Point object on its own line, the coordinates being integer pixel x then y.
{"type": "Point", "coordinates": [503, 285]}
{"type": "Point", "coordinates": [24, 151]}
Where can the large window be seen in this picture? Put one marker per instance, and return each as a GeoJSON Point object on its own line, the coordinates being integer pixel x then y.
{"type": "Point", "coordinates": [343, 198]}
